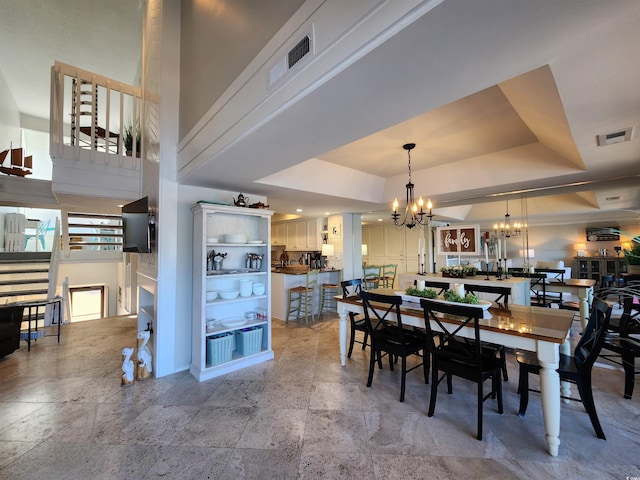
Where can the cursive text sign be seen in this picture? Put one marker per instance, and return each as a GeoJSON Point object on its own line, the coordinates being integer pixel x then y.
{"type": "Point", "coordinates": [461, 240]}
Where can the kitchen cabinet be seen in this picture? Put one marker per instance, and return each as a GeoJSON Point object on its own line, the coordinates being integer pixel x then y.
{"type": "Point", "coordinates": [298, 235]}
{"type": "Point", "coordinates": [390, 245]}
{"type": "Point", "coordinates": [241, 335]}
{"type": "Point", "coordinates": [278, 234]}
{"type": "Point", "coordinates": [595, 267]}
{"type": "Point", "coordinates": [314, 234]}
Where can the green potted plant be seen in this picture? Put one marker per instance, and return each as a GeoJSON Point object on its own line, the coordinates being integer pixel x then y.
{"type": "Point", "coordinates": [127, 139]}
{"type": "Point", "coordinates": [633, 256]}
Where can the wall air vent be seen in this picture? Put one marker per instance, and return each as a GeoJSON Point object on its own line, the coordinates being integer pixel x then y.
{"type": "Point", "coordinates": [299, 51]}
{"type": "Point", "coordinates": [615, 137]}
{"type": "Point", "coordinates": [297, 56]}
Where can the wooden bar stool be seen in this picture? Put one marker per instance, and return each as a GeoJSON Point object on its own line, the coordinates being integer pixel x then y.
{"type": "Point", "coordinates": [327, 294]}
{"type": "Point", "coordinates": [300, 299]}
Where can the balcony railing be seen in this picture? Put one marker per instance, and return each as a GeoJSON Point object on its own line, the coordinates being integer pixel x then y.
{"type": "Point", "coordinates": [94, 118]}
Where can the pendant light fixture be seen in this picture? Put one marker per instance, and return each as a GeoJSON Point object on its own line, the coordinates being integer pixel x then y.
{"type": "Point", "coordinates": [505, 229]}
{"type": "Point", "coordinates": [414, 212]}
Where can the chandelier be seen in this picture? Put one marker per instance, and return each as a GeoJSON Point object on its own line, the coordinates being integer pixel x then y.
{"type": "Point", "coordinates": [414, 213]}
{"type": "Point", "coordinates": [505, 229]}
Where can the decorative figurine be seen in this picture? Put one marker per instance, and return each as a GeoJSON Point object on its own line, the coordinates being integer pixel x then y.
{"type": "Point", "coordinates": [127, 366]}
{"type": "Point", "coordinates": [144, 367]}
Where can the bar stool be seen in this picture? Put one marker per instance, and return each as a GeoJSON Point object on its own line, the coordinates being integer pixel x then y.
{"type": "Point", "coordinates": [300, 299]}
{"type": "Point", "coordinates": [327, 295]}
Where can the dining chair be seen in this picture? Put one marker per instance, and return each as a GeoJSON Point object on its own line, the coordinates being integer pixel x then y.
{"type": "Point", "coordinates": [300, 299]}
{"type": "Point", "coordinates": [388, 275]}
{"type": "Point", "coordinates": [622, 344]}
{"type": "Point", "coordinates": [351, 288]}
{"type": "Point", "coordinates": [451, 356]}
{"type": "Point", "coordinates": [538, 286]}
{"type": "Point", "coordinates": [39, 235]}
{"type": "Point", "coordinates": [502, 302]}
{"type": "Point", "coordinates": [383, 321]}
{"type": "Point", "coordinates": [575, 369]}
{"type": "Point", "coordinates": [371, 276]}
{"type": "Point", "coordinates": [439, 287]}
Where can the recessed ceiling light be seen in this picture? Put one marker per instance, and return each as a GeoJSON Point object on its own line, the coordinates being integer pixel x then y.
{"type": "Point", "coordinates": [379, 219]}
{"type": "Point", "coordinates": [327, 213]}
{"type": "Point", "coordinates": [298, 210]}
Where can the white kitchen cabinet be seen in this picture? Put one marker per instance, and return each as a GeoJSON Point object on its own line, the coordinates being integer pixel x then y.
{"type": "Point", "coordinates": [314, 234]}
{"type": "Point", "coordinates": [301, 235]}
{"type": "Point", "coordinates": [278, 234]}
{"type": "Point", "coordinates": [296, 232]}
{"type": "Point", "coordinates": [234, 342]}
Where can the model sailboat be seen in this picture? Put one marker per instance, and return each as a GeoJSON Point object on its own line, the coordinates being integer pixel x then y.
{"type": "Point", "coordinates": [20, 166]}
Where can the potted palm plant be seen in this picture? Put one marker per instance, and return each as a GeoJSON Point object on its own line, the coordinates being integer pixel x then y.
{"type": "Point", "coordinates": [127, 139]}
{"type": "Point", "coordinates": [633, 256]}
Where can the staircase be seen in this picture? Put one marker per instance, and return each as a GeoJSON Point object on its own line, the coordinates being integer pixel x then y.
{"type": "Point", "coordinates": [31, 277]}
{"type": "Point", "coordinates": [24, 276]}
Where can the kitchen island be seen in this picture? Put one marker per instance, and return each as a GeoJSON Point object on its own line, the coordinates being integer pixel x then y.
{"type": "Point", "coordinates": [281, 282]}
{"type": "Point", "coordinates": [519, 285]}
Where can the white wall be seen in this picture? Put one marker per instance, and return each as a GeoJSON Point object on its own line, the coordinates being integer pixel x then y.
{"type": "Point", "coordinates": [9, 117]}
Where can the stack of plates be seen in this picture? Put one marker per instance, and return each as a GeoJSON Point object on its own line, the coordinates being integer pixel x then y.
{"type": "Point", "coordinates": [235, 238]}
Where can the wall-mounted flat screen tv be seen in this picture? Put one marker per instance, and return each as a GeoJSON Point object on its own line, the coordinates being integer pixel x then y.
{"type": "Point", "coordinates": [138, 227]}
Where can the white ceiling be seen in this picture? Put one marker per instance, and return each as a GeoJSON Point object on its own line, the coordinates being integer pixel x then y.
{"type": "Point", "coordinates": [499, 96]}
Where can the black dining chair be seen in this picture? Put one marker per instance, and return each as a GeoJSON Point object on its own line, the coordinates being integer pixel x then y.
{"type": "Point", "coordinates": [388, 336]}
{"type": "Point", "coordinates": [622, 344]}
{"type": "Point", "coordinates": [454, 355]}
{"type": "Point", "coordinates": [349, 289]}
{"type": "Point", "coordinates": [502, 302]}
{"type": "Point", "coordinates": [574, 369]}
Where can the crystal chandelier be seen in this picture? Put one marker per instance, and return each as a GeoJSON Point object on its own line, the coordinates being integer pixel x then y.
{"type": "Point", "coordinates": [414, 213]}
{"type": "Point", "coordinates": [505, 229]}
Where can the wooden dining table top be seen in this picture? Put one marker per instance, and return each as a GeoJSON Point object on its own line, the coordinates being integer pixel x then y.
{"type": "Point", "coordinates": [539, 323]}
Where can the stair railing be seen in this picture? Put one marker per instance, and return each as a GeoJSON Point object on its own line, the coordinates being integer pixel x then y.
{"type": "Point", "coordinates": [53, 274]}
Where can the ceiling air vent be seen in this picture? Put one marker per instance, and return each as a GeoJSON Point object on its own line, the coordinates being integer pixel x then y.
{"type": "Point", "coordinates": [615, 137]}
{"type": "Point", "coordinates": [303, 50]}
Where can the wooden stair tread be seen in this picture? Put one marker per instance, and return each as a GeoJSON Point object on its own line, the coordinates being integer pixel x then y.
{"type": "Point", "coordinates": [25, 270]}
{"type": "Point", "coordinates": [24, 293]}
{"type": "Point", "coordinates": [25, 281]}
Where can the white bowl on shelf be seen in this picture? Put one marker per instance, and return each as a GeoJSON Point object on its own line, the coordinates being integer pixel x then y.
{"type": "Point", "coordinates": [258, 288]}
{"type": "Point", "coordinates": [235, 238]}
{"type": "Point", "coordinates": [211, 296]}
{"type": "Point", "coordinates": [213, 240]}
{"type": "Point", "coordinates": [228, 294]}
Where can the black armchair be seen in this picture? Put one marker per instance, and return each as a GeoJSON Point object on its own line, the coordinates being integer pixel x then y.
{"type": "Point", "coordinates": [10, 321]}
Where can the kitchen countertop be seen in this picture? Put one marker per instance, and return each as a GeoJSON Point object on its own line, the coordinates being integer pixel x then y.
{"type": "Point", "coordinates": [285, 271]}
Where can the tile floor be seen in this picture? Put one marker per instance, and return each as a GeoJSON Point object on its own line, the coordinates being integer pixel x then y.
{"type": "Point", "coordinates": [64, 415]}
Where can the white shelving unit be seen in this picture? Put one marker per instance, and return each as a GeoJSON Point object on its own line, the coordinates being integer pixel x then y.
{"type": "Point", "coordinates": [220, 350]}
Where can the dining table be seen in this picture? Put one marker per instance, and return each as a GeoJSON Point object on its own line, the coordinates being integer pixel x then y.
{"type": "Point", "coordinates": [541, 330]}
{"type": "Point", "coordinates": [581, 287]}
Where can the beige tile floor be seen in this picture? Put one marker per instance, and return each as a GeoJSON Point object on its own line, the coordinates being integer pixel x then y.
{"type": "Point", "coordinates": [64, 415]}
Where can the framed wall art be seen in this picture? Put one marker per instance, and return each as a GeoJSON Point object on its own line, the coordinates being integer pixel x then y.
{"type": "Point", "coordinates": [603, 234]}
{"type": "Point", "coordinates": [459, 240]}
